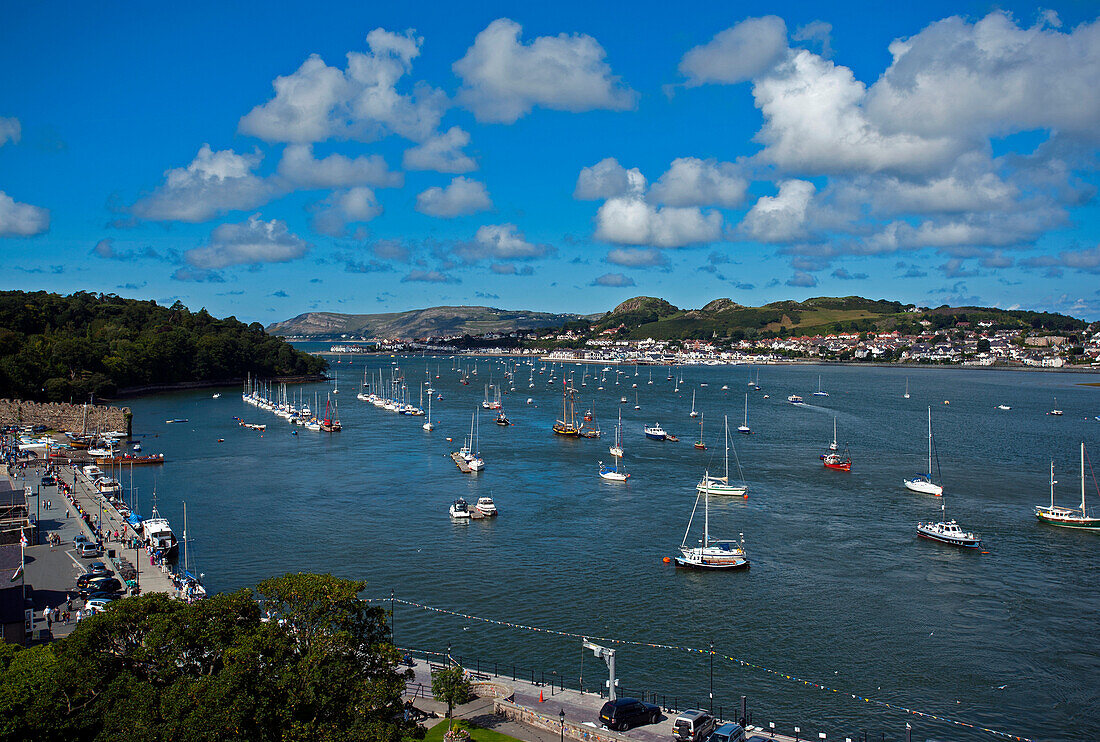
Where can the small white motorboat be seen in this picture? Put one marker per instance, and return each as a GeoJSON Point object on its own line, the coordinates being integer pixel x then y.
{"type": "Point", "coordinates": [460, 510]}
{"type": "Point", "coordinates": [486, 506]}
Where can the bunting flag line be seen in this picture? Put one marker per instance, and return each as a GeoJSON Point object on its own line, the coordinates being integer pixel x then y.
{"type": "Point", "coordinates": [695, 650]}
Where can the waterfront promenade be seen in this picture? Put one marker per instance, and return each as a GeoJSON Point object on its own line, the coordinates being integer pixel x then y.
{"type": "Point", "coordinates": [532, 711]}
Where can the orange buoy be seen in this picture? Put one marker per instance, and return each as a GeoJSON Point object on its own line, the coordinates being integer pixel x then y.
{"type": "Point", "coordinates": [449, 440]}
{"type": "Point", "coordinates": [221, 440]}
{"type": "Point", "coordinates": [666, 560]}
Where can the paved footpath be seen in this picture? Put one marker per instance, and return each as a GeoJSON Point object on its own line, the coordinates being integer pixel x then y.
{"type": "Point", "coordinates": [580, 709]}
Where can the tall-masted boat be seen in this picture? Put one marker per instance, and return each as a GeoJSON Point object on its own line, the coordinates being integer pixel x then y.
{"type": "Point", "coordinates": [710, 553]}
{"type": "Point", "coordinates": [1057, 515]}
{"type": "Point", "coordinates": [923, 482]}
{"type": "Point", "coordinates": [568, 426]}
{"type": "Point", "coordinates": [721, 485]}
{"type": "Point", "coordinates": [744, 428]}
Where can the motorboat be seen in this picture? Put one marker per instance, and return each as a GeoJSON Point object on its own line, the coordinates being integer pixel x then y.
{"type": "Point", "coordinates": [795, 399]}
{"type": "Point", "coordinates": [486, 506]}
{"type": "Point", "coordinates": [655, 432]}
{"type": "Point", "coordinates": [1003, 407]}
{"type": "Point", "coordinates": [949, 532]}
{"type": "Point", "coordinates": [460, 510]}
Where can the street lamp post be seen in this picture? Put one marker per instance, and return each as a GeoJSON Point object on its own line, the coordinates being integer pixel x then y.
{"type": "Point", "coordinates": [712, 677]}
{"type": "Point", "coordinates": [561, 718]}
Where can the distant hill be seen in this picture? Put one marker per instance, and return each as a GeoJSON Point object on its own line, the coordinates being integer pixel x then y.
{"type": "Point", "coordinates": [431, 322]}
{"type": "Point", "coordinates": [644, 316]}
{"type": "Point", "coordinates": [647, 316]}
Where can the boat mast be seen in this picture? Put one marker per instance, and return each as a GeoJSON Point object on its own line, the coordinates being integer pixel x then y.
{"type": "Point", "coordinates": [1052, 484]}
{"type": "Point", "coordinates": [727, 420]}
{"type": "Point", "coordinates": [1082, 479]}
{"type": "Point", "coordinates": [746, 409]}
{"type": "Point", "coordinates": [929, 444]}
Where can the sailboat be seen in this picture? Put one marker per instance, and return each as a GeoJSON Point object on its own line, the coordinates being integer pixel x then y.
{"type": "Point", "coordinates": [906, 395]}
{"type": "Point", "coordinates": [567, 426]}
{"type": "Point", "coordinates": [613, 474]}
{"type": "Point", "coordinates": [833, 459]}
{"type": "Point", "coordinates": [474, 461]}
{"type": "Point", "coordinates": [1068, 517]}
{"type": "Point", "coordinates": [721, 485]}
{"type": "Point", "coordinates": [636, 405]}
{"type": "Point", "coordinates": [693, 413]}
{"type": "Point", "coordinates": [948, 531]}
{"type": "Point", "coordinates": [336, 382]}
{"type": "Point", "coordinates": [699, 443]}
{"type": "Point", "coordinates": [616, 448]}
{"type": "Point", "coordinates": [745, 429]}
{"type": "Point", "coordinates": [1055, 411]}
{"type": "Point", "coordinates": [923, 482]}
{"type": "Point", "coordinates": [710, 553]}
{"type": "Point", "coordinates": [429, 425]}
{"type": "Point", "coordinates": [820, 392]}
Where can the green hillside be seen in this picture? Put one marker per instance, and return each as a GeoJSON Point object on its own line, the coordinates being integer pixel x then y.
{"type": "Point", "coordinates": [418, 323]}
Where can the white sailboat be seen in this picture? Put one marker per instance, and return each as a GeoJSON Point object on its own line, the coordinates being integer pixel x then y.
{"type": "Point", "coordinates": [336, 382]}
{"type": "Point", "coordinates": [616, 448]}
{"type": "Point", "coordinates": [475, 462]}
{"type": "Point", "coordinates": [636, 405]}
{"type": "Point", "coordinates": [693, 413]}
{"type": "Point", "coordinates": [429, 425]}
{"type": "Point", "coordinates": [923, 482]}
{"type": "Point", "coordinates": [710, 553]}
{"type": "Point", "coordinates": [820, 392]}
{"type": "Point", "coordinates": [1055, 411]}
{"type": "Point", "coordinates": [745, 429]}
{"type": "Point", "coordinates": [721, 485]}
{"type": "Point", "coordinates": [906, 395]}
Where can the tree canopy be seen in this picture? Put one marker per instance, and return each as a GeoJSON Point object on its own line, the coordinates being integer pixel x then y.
{"type": "Point", "coordinates": [301, 658]}
{"type": "Point", "coordinates": [63, 348]}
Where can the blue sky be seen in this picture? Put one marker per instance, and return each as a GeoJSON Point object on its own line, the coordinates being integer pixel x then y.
{"type": "Point", "coordinates": [263, 160]}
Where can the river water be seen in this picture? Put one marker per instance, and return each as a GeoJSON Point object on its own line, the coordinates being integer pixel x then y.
{"type": "Point", "coordinates": [841, 592]}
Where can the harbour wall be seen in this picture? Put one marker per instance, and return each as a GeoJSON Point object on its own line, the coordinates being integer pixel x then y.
{"type": "Point", "coordinates": [64, 416]}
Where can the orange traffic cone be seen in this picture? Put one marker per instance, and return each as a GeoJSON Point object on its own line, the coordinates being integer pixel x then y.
{"type": "Point", "coordinates": [540, 695]}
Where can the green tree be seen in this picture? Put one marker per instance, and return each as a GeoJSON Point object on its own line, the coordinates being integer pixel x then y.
{"type": "Point", "coordinates": [451, 686]}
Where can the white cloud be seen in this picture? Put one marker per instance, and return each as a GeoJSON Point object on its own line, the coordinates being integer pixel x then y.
{"type": "Point", "coordinates": [462, 196]}
{"type": "Point", "coordinates": [253, 242]}
{"type": "Point", "coordinates": [10, 130]}
{"type": "Point", "coordinates": [614, 280]}
{"type": "Point", "coordinates": [442, 153]}
{"type": "Point", "coordinates": [631, 220]}
{"type": "Point", "coordinates": [690, 181]}
{"type": "Point", "coordinates": [501, 242]}
{"type": "Point", "coordinates": [783, 217]}
{"type": "Point", "coordinates": [21, 220]}
{"type": "Point", "coordinates": [607, 179]}
{"type": "Point", "coordinates": [214, 183]}
{"type": "Point", "coordinates": [814, 122]}
{"type": "Point", "coordinates": [802, 279]}
{"type": "Point", "coordinates": [332, 215]}
{"type": "Point", "coordinates": [1086, 260]}
{"type": "Point", "coordinates": [319, 102]}
{"type": "Point", "coordinates": [301, 170]}
{"type": "Point", "coordinates": [503, 79]}
{"type": "Point", "coordinates": [637, 257]}
{"type": "Point", "coordinates": [427, 277]}
{"type": "Point", "coordinates": [739, 53]}
{"type": "Point", "coordinates": [991, 77]}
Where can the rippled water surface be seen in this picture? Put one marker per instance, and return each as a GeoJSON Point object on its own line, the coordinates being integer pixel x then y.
{"type": "Point", "coordinates": [840, 590]}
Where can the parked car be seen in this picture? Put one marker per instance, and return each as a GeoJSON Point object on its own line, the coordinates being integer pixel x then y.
{"type": "Point", "coordinates": [48, 481]}
{"type": "Point", "coordinates": [85, 579]}
{"type": "Point", "coordinates": [98, 568]}
{"type": "Point", "coordinates": [624, 713]}
{"type": "Point", "coordinates": [88, 550]}
{"type": "Point", "coordinates": [693, 725]}
{"type": "Point", "coordinates": [100, 586]}
{"type": "Point", "coordinates": [81, 539]}
{"type": "Point", "coordinates": [98, 603]}
{"type": "Point", "coordinates": [728, 732]}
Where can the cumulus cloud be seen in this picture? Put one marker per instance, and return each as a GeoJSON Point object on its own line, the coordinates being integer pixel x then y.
{"type": "Point", "coordinates": [252, 242]}
{"type": "Point", "coordinates": [630, 220]}
{"type": "Point", "coordinates": [424, 276]}
{"type": "Point", "coordinates": [991, 77]}
{"type": "Point", "coordinates": [10, 130]}
{"type": "Point", "coordinates": [690, 181]}
{"type": "Point", "coordinates": [462, 196]}
{"type": "Point", "coordinates": [844, 275]}
{"type": "Point", "coordinates": [780, 218]}
{"type": "Point", "coordinates": [214, 183]}
{"type": "Point", "coordinates": [607, 179]}
{"type": "Point", "coordinates": [500, 242]}
{"type": "Point", "coordinates": [801, 279]}
{"type": "Point", "coordinates": [636, 257]}
{"type": "Point", "coordinates": [442, 153]}
{"type": "Point", "coordinates": [300, 169]}
{"type": "Point", "coordinates": [332, 215]}
{"type": "Point", "coordinates": [21, 220]}
{"type": "Point", "coordinates": [391, 250]}
{"type": "Point", "coordinates": [1086, 260]}
{"type": "Point", "coordinates": [511, 269]}
{"type": "Point", "coordinates": [739, 53]}
{"type": "Point", "coordinates": [613, 279]}
{"type": "Point", "coordinates": [361, 101]}
{"type": "Point", "coordinates": [503, 78]}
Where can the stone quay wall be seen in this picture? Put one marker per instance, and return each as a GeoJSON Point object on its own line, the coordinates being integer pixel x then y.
{"type": "Point", "coordinates": [62, 416]}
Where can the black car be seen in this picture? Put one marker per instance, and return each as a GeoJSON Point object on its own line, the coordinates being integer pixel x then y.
{"type": "Point", "coordinates": [100, 585]}
{"type": "Point", "coordinates": [48, 482]}
{"type": "Point", "coordinates": [87, 579]}
{"type": "Point", "coordinates": [624, 713]}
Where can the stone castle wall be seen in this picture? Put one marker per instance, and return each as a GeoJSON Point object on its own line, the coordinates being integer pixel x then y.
{"type": "Point", "coordinates": [61, 416]}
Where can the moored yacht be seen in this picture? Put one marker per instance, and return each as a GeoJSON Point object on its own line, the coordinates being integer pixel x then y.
{"type": "Point", "coordinates": [486, 506]}
{"type": "Point", "coordinates": [460, 509]}
{"type": "Point", "coordinates": [655, 432]}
